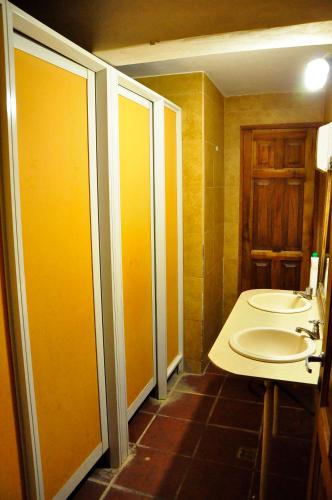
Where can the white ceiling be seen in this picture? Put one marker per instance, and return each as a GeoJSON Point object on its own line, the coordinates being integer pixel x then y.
{"type": "Point", "coordinates": [239, 73]}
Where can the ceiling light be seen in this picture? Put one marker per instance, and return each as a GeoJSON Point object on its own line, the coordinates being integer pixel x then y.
{"type": "Point", "coordinates": [316, 74]}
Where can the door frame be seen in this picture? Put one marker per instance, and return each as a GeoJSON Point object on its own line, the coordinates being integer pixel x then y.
{"type": "Point", "coordinates": [113, 432]}
{"type": "Point", "coordinates": [243, 129]}
{"type": "Point", "coordinates": [178, 360]}
{"type": "Point", "coordinates": [142, 101]}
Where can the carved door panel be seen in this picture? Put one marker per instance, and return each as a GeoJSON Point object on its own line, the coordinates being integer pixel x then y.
{"type": "Point", "coordinates": [277, 207]}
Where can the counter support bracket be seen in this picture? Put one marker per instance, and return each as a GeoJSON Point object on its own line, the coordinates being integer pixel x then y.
{"type": "Point", "coordinates": [268, 427]}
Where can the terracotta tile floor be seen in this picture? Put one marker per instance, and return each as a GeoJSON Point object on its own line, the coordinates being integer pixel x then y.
{"type": "Point", "coordinates": [204, 442]}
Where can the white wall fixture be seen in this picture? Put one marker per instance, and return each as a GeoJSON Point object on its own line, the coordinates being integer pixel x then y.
{"type": "Point", "coordinates": [324, 147]}
{"type": "Point", "coordinates": [316, 74]}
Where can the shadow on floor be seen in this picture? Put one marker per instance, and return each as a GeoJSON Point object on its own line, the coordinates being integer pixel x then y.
{"type": "Point", "coordinates": [203, 443]}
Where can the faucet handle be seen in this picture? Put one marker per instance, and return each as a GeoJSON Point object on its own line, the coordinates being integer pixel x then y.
{"type": "Point", "coordinates": [316, 322]}
{"type": "Point", "coordinates": [318, 359]}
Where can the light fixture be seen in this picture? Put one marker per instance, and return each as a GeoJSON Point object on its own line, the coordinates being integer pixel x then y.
{"type": "Point", "coordinates": [316, 73]}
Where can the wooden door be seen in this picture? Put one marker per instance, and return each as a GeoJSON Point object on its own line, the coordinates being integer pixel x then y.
{"type": "Point", "coordinates": [54, 100]}
{"type": "Point", "coordinates": [277, 207]}
{"type": "Point", "coordinates": [136, 192]}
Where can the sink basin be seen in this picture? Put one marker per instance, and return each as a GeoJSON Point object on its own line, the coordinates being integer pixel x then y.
{"type": "Point", "coordinates": [279, 302]}
{"type": "Point", "coordinates": [271, 344]}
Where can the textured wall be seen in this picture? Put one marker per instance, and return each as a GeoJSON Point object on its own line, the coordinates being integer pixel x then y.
{"type": "Point", "coordinates": [202, 111]}
{"type": "Point", "coordinates": [186, 90]}
{"type": "Point", "coordinates": [213, 213]}
{"type": "Point", "coordinates": [253, 110]}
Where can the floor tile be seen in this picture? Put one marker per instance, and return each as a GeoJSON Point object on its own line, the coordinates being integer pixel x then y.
{"type": "Point", "coordinates": [88, 490]}
{"type": "Point", "coordinates": [228, 446]}
{"type": "Point", "coordinates": [123, 494]}
{"type": "Point", "coordinates": [239, 414]}
{"type": "Point", "coordinates": [154, 472]}
{"type": "Point", "coordinates": [211, 368]}
{"type": "Point", "coordinates": [244, 388]}
{"type": "Point", "coordinates": [304, 394]}
{"type": "Point", "coordinates": [173, 435]}
{"type": "Point", "coordinates": [151, 405]}
{"type": "Point", "coordinates": [209, 383]}
{"type": "Point", "coordinates": [279, 487]}
{"type": "Point", "coordinates": [288, 457]}
{"type": "Point", "coordinates": [188, 406]}
{"type": "Point", "coordinates": [137, 425]}
{"type": "Point", "coordinates": [210, 481]}
{"type": "Point", "coordinates": [295, 422]}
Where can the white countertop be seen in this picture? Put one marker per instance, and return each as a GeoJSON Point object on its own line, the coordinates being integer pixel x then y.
{"type": "Point", "coordinates": [245, 316]}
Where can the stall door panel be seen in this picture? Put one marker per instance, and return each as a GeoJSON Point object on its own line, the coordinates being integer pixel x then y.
{"type": "Point", "coordinates": [136, 222]}
{"type": "Point", "coordinates": [10, 464]}
{"type": "Point", "coordinates": [54, 190]}
{"type": "Point", "coordinates": [171, 234]}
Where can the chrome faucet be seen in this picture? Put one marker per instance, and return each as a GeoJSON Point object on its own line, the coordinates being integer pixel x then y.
{"type": "Point", "coordinates": [306, 295]}
{"type": "Point", "coordinates": [314, 334]}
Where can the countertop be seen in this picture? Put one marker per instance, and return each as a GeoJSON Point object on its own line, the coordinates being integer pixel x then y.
{"type": "Point", "coordinates": [245, 316]}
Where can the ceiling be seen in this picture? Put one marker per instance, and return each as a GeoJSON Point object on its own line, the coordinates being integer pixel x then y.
{"type": "Point", "coordinates": [108, 24]}
{"type": "Point", "coordinates": [253, 72]}
{"type": "Point", "coordinates": [245, 47]}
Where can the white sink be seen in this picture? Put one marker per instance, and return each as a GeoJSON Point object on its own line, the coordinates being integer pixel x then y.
{"type": "Point", "coordinates": [271, 344]}
{"type": "Point", "coordinates": [279, 302]}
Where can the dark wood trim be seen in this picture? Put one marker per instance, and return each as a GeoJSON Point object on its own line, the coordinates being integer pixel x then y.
{"type": "Point", "coordinates": [308, 206]}
{"type": "Point", "coordinates": [283, 125]}
{"type": "Point", "coordinates": [245, 205]}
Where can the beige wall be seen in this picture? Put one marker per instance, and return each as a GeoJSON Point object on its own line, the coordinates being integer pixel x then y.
{"type": "Point", "coordinates": [202, 121]}
{"type": "Point", "coordinates": [253, 110]}
{"type": "Point", "coordinates": [186, 90]}
{"type": "Point", "coordinates": [213, 213]}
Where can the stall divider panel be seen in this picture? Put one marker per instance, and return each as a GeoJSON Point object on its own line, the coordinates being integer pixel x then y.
{"type": "Point", "coordinates": [137, 224]}
{"type": "Point", "coordinates": [173, 202]}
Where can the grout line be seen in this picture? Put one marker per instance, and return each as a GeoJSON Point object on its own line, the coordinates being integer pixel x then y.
{"type": "Point", "coordinates": [146, 428]}
{"type": "Point", "coordinates": [104, 494]}
{"type": "Point", "coordinates": [223, 426]}
{"type": "Point", "coordinates": [135, 492]}
{"type": "Point", "coordinates": [175, 453]}
{"type": "Point", "coordinates": [216, 400]}
{"type": "Point", "coordinates": [98, 481]}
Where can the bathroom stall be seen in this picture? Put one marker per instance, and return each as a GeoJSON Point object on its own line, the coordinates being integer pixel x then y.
{"type": "Point", "coordinates": [151, 238]}
{"type": "Point", "coordinates": [138, 255]}
{"type": "Point", "coordinates": [91, 281]}
{"type": "Point", "coordinates": [51, 250]}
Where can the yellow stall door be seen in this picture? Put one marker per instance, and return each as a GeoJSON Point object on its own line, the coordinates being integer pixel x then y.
{"type": "Point", "coordinates": [53, 147]}
{"type": "Point", "coordinates": [10, 461]}
{"type": "Point", "coordinates": [171, 235]}
{"type": "Point", "coordinates": [137, 259]}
